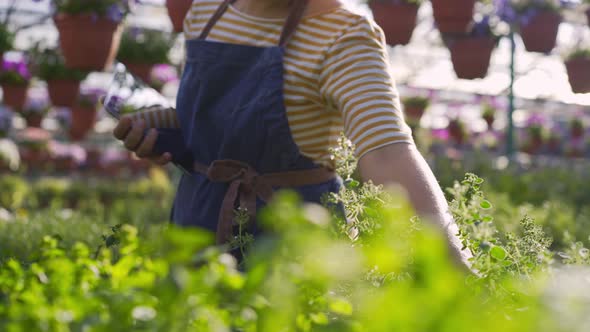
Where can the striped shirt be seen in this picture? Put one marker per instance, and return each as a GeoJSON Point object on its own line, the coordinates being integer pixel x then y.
{"type": "Point", "coordinates": [337, 76]}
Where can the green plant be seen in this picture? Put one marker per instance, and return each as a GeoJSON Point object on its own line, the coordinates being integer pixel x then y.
{"type": "Point", "coordinates": [578, 53]}
{"type": "Point", "coordinates": [145, 46]}
{"type": "Point", "coordinates": [6, 38]}
{"type": "Point", "coordinates": [114, 10]}
{"type": "Point", "coordinates": [416, 101]}
{"type": "Point", "coordinates": [48, 64]}
{"type": "Point", "coordinates": [488, 111]}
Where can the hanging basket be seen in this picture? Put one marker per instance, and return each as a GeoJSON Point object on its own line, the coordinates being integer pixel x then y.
{"type": "Point", "coordinates": [471, 56]}
{"type": "Point", "coordinates": [83, 119]}
{"type": "Point", "coordinates": [14, 96]}
{"type": "Point", "coordinates": [453, 16]}
{"type": "Point", "coordinates": [540, 33]}
{"type": "Point", "coordinates": [588, 15]}
{"type": "Point", "coordinates": [578, 71]}
{"type": "Point", "coordinates": [88, 43]}
{"type": "Point", "coordinates": [63, 93]}
{"type": "Point", "coordinates": [177, 10]}
{"type": "Point", "coordinates": [414, 112]}
{"type": "Point", "coordinates": [141, 70]}
{"type": "Point", "coordinates": [396, 19]}
{"type": "Point", "coordinates": [34, 120]}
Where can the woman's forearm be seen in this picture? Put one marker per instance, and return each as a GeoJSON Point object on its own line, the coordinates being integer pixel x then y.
{"type": "Point", "coordinates": [403, 165]}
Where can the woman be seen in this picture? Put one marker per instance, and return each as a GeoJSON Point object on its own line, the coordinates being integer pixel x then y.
{"type": "Point", "coordinates": [267, 88]}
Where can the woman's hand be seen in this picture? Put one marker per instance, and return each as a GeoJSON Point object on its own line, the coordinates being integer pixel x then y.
{"type": "Point", "coordinates": [132, 135]}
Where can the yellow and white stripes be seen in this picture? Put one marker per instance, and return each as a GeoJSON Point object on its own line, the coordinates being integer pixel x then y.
{"type": "Point", "coordinates": [337, 76]}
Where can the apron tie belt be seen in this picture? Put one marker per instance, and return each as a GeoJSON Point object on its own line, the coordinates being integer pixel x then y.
{"type": "Point", "coordinates": [246, 185]}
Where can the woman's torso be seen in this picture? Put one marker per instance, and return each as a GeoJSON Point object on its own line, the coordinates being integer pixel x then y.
{"type": "Point", "coordinates": [314, 118]}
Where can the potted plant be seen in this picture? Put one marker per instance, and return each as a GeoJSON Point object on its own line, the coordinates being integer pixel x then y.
{"type": "Point", "coordinates": [457, 131]}
{"type": "Point", "coordinates": [414, 107]}
{"type": "Point", "coordinates": [397, 18]}
{"type": "Point", "coordinates": [34, 143]}
{"type": "Point", "coordinates": [554, 142]}
{"type": "Point", "coordinates": [453, 16]}
{"type": "Point", "coordinates": [577, 128]}
{"type": "Point", "coordinates": [63, 83]}
{"type": "Point", "coordinates": [89, 31]}
{"type": "Point", "coordinates": [471, 52]}
{"type": "Point", "coordinates": [577, 64]}
{"type": "Point", "coordinates": [142, 49]}
{"type": "Point", "coordinates": [177, 10]}
{"type": "Point", "coordinates": [35, 108]}
{"type": "Point", "coordinates": [14, 79]}
{"type": "Point", "coordinates": [489, 115]}
{"type": "Point", "coordinates": [84, 113]}
{"type": "Point", "coordinates": [537, 20]}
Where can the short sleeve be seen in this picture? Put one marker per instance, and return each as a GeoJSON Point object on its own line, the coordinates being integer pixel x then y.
{"type": "Point", "coordinates": [356, 79]}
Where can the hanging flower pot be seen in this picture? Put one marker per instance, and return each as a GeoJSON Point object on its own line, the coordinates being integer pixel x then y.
{"type": "Point", "coordinates": [177, 10]}
{"type": "Point", "coordinates": [588, 15]}
{"type": "Point", "coordinates": [14, 96]}
{"type": "Point", "coordinates": [414, 107]}
{"type": "Point", "coordinates": [83, 119]}
{"type": "Point", "coordinates": [539, 33]}
{"type": "Point", "coordinates": [396, 18]}
{"type": "Point", "coordinates": [83, 114]}
{"type": "Point", "coordinates": [457, 131]}
{"type": "Point", "coordinates": [489, 115]}
{"type": "Point", "coordinates": [141, 50]}
{"type": "Point", "coordinates": [142, 70]}
{"type": "Point", "coordinates": [576, 128]}
{"type": "Point", "coordinates": [63, 93]}
{"type": "Point", "coordinates": [14, 79]}
{"type": "Point", "coordinates": [453, 16]}
{"type": "Point", "coordinates": [471, 56]}
{"type": "Point", "coordinates": [36, 107]}
{"type": "Point", "coordinates": [578, 71]}
{"type": "Point", "coordinates": [88, 42]}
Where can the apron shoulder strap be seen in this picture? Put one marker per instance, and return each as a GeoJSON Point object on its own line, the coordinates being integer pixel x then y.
{"type": "Point", "coordinates": [295, 15]}
{"type": "Point", "coordinates": [216, 16]}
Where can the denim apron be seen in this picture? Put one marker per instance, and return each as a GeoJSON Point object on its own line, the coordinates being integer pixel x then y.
{"type": "Point", "coordinates": [234, 125]}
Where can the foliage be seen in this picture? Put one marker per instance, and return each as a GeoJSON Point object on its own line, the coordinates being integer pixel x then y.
{"type": "Point", "coordinates": [522, 11]}
{"type": "Point", "coordinates": [114, 10]}
{"type": "Point", "coordinates": [300, 276]}
{"type": "Point", "coordinates": [84, 267]}
{"type": "Point", "coordinates": [416, 101]}
{"type": "Point", "coordinates": [48, 64]}
{"type": "Point", "coordinates": [489, 111]}
{"type": "Point", "coordinates": [6, 38]}
{"type": "Point", "coordinates": [579, 53]}
{"type": "Point", "coordinates": [144, 46]}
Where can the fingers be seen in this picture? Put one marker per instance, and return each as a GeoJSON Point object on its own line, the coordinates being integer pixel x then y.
{"type": "Point", "coordinates": [135, 136]}
{"type": "Point", "coordinates": [122, 129]}
{"type": "Point", "coordinates": [132, 134]}
{"type": "Point", "coordinates": [145, 148]}
{"type": "Point", "coordinates": [163, 159]}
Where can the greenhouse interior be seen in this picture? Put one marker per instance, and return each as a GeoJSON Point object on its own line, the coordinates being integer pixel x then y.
{"type": "Point", "coordinates": [232, 227]}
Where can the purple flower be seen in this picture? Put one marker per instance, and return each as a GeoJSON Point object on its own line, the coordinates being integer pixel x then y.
{"type": "Point", "coordinates": [37, 102]}
{"type": "Point", "coordinates": [536, 119]}
{"type": "Point", "coordinates": [440, 134]}
{"type": "Point", "coordinates": [163, 73]}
